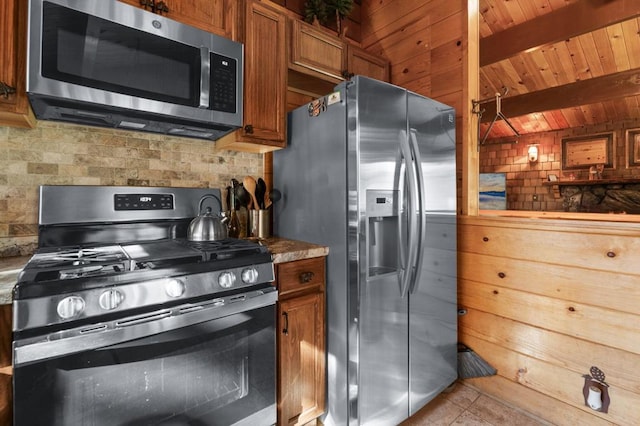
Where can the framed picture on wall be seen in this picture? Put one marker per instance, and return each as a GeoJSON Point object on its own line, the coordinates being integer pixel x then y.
{"type": "Point", "coordinates": [586, 151]}
{"type": "Point", "coordinates": [493, 191]}
{"type": "Point", "coordinates": [632, 147]}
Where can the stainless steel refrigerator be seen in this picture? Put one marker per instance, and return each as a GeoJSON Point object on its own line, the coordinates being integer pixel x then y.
{"type": "Point", "coordinates": [370, 172]}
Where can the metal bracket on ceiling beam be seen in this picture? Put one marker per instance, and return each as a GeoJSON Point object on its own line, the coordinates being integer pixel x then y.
{"type": "Point", "coordinates": [476, 110]}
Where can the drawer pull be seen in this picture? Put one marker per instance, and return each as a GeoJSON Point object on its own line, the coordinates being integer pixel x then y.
{"type": "Point", "coordinates": [285, 329]}
{"type": "Point", "coordinates": [306, 277]}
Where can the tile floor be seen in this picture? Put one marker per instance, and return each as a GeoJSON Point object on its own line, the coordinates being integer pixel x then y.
{"type": "Point", "coordinates": [463, 405]}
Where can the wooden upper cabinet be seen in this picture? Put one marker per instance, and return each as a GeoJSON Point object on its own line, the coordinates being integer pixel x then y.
{"type": "Point", "coordinates": [315, 51]}
{"type": "Point", "coordinates": [15, 110]}
{"type": "Point", "coordinates": [215, 16]}
{"type": "Point", "coordinates": [361, 62]}
{"type": "Point", "coordinates": [265, 82]}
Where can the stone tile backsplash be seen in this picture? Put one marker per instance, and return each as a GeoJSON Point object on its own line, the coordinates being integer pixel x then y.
{"type": "Point", "coordinates": [66, 154]}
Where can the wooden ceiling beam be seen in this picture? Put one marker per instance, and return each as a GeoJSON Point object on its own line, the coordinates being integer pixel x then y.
{"type": "Point", "coordinates": [584, 92]}
{"type": "Point", "coordinates": [570, 21]}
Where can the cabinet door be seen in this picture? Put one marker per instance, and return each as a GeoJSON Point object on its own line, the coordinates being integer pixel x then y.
{"type": "Point", "coordinates": [265, 76]}
{"type": "Point", "coordinates": [301, 387]}
{"type": "Point", "coordinates": [6, 391]}
{"type": "Point", "coordinates": [361, 62]}
{"type": "Point", "coordinates": [314, 51]}
{"type": "Point", "coordinates": [14, 105]}
{"type": "Point", "coordinates": [215, 16]}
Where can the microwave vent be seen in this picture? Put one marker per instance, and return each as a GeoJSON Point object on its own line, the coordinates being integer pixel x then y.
{"type": "Point", "coordinates": [132, 125]}
{"type": "Point", "coordinates": [190, 133]}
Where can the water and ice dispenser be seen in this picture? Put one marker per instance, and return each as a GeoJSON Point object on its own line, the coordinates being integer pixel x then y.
{"type": "Point", "coordinates": [383, 214]}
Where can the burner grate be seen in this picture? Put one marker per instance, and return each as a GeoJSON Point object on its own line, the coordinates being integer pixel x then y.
{"type": "Point", "coordinates": [78, 257]}
{"type": "Point", "coordinates": [227, 248]}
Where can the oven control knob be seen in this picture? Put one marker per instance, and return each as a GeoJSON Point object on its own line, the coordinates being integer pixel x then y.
{"type": "Point", "coordinates": [70, 307]}
{"type": "Point", "coordinates": [110, 299]}
{"type": "Point", "coordinates": [250, 275]}
{"type": "Point", "coordinates": [227, 279]}
{"type": "Point", "coordinates": [174, 288]}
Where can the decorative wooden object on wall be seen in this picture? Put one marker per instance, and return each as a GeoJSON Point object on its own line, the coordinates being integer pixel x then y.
{"type": "Point", "coordinates": [586, 151]}
{"type": "Point", "coordinates": [632, 147]}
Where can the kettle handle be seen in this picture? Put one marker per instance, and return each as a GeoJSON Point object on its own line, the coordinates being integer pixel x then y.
{"type": "Point", "coordinates": [204, 197]}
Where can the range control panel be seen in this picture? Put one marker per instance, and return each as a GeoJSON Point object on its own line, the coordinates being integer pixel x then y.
{"type": "Point", "coordinates": [143, 201]}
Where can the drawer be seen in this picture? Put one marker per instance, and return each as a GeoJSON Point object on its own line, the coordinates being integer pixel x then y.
{"type": "Point", "coordinates": [301, 275]}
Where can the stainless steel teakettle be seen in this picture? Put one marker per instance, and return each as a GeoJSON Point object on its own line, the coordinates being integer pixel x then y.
{"type": "Point", "coordinates": [206, 226]}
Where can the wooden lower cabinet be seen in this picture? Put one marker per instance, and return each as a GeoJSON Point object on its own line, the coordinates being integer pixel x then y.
{"type": "Point", "coordinates": [6, 389]}
{"type": "Point", "coordinates": [301, 341]}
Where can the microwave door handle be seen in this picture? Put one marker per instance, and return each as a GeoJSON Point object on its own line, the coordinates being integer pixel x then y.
{"type": "Point", "coordinates": [205, 71]}
{"type": "Point", "coordinates": [421, 234]}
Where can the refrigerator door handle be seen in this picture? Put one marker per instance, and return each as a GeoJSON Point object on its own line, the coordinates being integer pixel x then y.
{"type": "Point", "coordinates": [421, 234]}
{"type": "Point", "coordinates": [410, 171]}
{"type": "Point", "coordinates": [400, 184]}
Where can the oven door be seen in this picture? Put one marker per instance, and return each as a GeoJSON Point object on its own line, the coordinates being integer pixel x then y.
{"type": "Point", "coordinates": [218, 369]}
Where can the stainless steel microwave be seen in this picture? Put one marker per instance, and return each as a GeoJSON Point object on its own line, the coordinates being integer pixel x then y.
{"type": "Point", "coordinates": [109, 64]}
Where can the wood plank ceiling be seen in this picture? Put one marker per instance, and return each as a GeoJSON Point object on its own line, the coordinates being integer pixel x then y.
{"type": "Point", "coordinates": [561, 63]}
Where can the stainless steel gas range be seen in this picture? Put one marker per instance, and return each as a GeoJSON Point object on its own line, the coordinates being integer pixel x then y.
{"type": "Point", "coordinates": [120, 320]}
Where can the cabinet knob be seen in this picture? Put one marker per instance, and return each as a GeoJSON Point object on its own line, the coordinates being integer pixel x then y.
{"type": "Point", "coordinates": [248, 129]}
{"type": "Point", "coordinates": [6, 90]}
{"type": "Point", "coordinates": [162, 7]}
{"type": "Point", "coordinates": [347, 75]}
{"type": "Point", "coordinates": [306, 277]}
{"type": "Point", "coordinates": [158, 7]}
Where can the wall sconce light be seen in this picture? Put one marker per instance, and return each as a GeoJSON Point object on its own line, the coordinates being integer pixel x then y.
{"type": "Point", "coordinates": [532, 153]}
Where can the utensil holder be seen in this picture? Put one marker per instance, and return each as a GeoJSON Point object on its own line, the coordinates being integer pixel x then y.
{"type": "Point", "coordinates": [259, 223]}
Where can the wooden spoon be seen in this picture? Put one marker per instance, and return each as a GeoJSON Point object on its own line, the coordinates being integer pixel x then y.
{"type": "Point", "coordinates": [250, 186]}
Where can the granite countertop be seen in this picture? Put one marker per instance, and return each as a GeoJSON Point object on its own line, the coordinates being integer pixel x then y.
{"type": "Point", "coordinates": [10, 267]}
{"type": "Point", "coordinates": [282, 250]}
{"type": "Point", "coordinates": [285, 250]}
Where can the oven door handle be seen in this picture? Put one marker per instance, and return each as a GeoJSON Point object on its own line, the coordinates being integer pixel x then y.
{"type": "Point", "coordinates": [119, 332]}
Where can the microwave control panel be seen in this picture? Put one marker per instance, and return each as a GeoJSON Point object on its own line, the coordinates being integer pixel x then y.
{"type": "Point", "coordinates": [223, 83]}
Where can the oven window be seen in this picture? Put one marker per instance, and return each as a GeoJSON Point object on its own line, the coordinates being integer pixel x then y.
{"type": "Point", "coordinates": [93, 52]}
{"type": "Point", "coordinates": [219, 372]}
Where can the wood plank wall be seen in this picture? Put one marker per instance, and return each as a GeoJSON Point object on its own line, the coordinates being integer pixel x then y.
{"type": "Point", "coordinates": [546, 299]}
{"type": "Point", "coordinates": [423, 41]}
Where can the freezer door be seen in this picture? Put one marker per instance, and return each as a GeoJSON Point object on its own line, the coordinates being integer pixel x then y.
{"type": "Point", "coordinates": [379, 312]}
{"type": "Point", "coordinates": [432, 299]}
